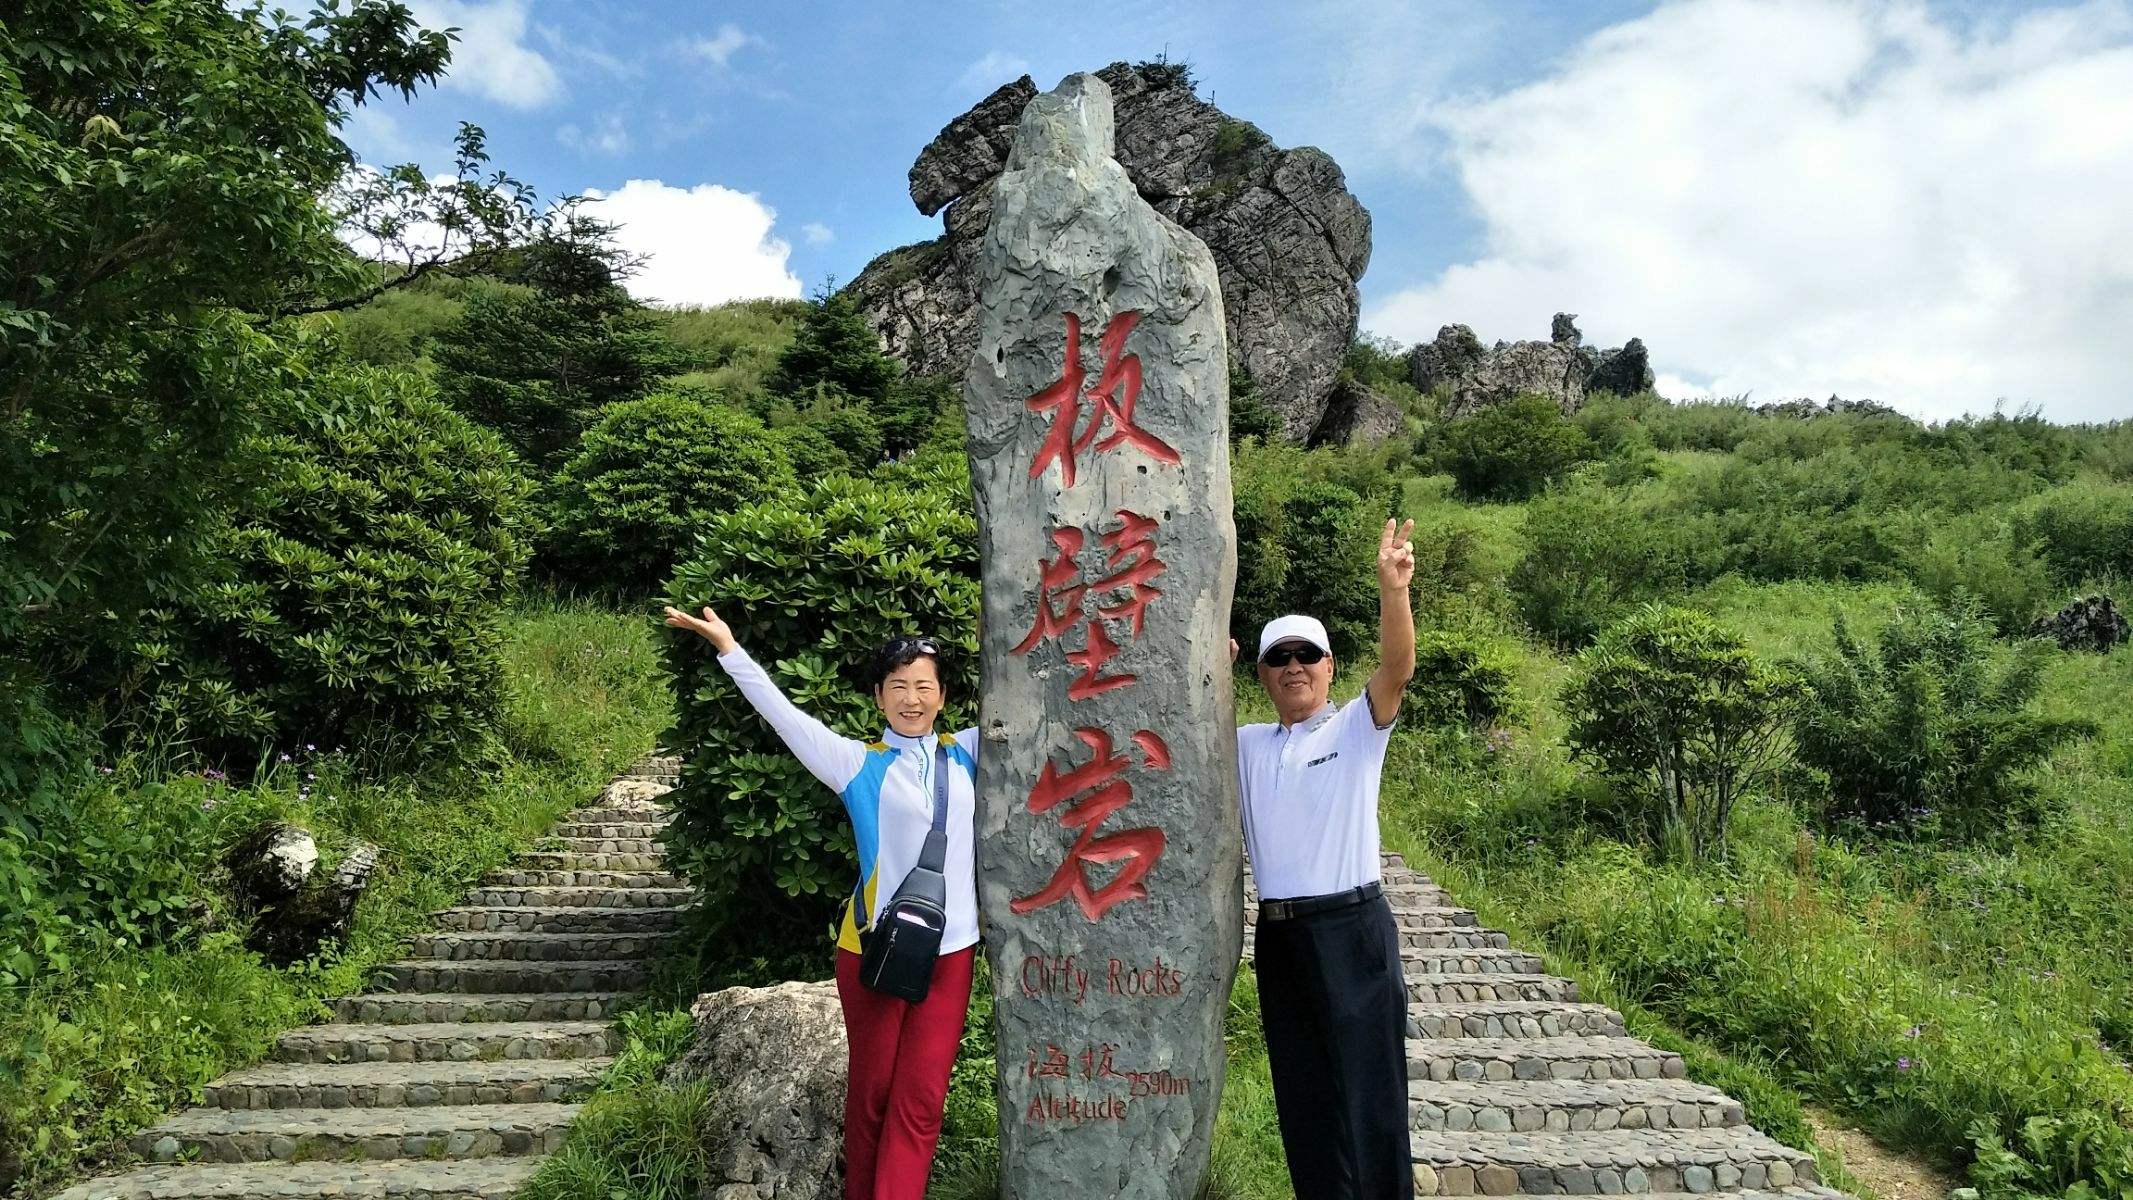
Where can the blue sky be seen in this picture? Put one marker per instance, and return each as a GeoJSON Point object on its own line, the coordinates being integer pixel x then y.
{"type": "Point", "coordinates": [1781, 196]}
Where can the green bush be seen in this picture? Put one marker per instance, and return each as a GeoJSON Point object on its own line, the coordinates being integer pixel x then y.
{"type": "Point", "coordinates": [629, 505]}
{"type": "Point", "coordinates": [1679, 714]}
{"type": "Point", "coordinates": [1928, 733]}
{"type": "Point", "coordinates": [1511, 450]}
{"type": "Point", "coordinates": [2085, 531]}
{"type": "Point", "coordinates": [1307, 540]}
{"type": "Point", "coordinates": [1592, 553]}
{"type": "Point", "coordinates": [1981, 555]}
{"type": "Point", "coordinates": [1250, 416]}
{"type": "Point", "coordinates": [733, 346]}
{"type": "Point", "coordinates": [355, 596]}
{"type": "Point", "coordinates": [1461, 678]}
{"type": "Point", "coordinates": [812, 585]}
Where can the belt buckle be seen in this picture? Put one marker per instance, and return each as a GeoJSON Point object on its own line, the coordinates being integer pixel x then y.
{"type": "Point", "coordinates": [1274, 910]}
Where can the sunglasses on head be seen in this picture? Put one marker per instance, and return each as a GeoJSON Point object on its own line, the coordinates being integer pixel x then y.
{"type": "Point", "coordinates": [923, 645]}
{"type": "Point", "coordinates": [1282, 656]}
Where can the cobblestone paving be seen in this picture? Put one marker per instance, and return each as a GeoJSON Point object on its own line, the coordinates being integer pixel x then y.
{"type": "Point", "coordinates": [1516, 1087]}
{"type": "Point", "coordinates": [453, 1082]}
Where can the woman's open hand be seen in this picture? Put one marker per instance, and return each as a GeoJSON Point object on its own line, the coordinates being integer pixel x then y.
{"type": "Point", "coordinates": [713, 629]}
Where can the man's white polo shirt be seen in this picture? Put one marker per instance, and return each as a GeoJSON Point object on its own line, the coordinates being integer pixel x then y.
{"type": "Point", "coordinates": [1310, 799]}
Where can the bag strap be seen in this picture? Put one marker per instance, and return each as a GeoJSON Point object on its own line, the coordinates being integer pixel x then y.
{"type": "Point", "coordinates": [934, 855]}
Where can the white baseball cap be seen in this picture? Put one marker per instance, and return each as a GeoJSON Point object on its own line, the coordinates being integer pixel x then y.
{"type": "Point", "coordinates": [1282, 629]}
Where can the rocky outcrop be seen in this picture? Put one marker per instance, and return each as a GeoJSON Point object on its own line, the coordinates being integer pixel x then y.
{"type": "Point", "coordinates": [2090, 623]}
{"type": "Point", "coordinates": [1354, 413]}
{"type": "Point", "coordinates": [1562, 368]}
{"type": "Point", "coordinates": [1289, 241]}
{"type": "Point", "coordinates": [775, 1059]}
{"type": "Point", "coordinates": [295, 914]}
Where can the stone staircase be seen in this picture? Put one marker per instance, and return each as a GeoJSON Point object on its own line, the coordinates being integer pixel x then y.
{"type": "Point", "coordinates": [454, 1081]}
{"type": "Point", "coordinates": [1517, 1088]}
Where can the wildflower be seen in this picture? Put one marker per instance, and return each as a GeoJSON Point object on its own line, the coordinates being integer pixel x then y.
{"type": "Point", "coordinates": [1912, 1032]}
{"type": "Point", "coordinates": [309, 747]}
{"type": "Point", "coordinates": [285, 756]}
{"type": "Point", "coordinates": [103, 770]}
{"type": "Point", "coordinates": [309, 776]}
{"type": "Point", "coordinates": [1904, 1063]}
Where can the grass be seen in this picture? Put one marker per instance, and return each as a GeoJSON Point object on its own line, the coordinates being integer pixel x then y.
{"type": "Point", "coordinates": [636, 1138]}
{"type": "Point", "coordinates": [131, 1030]}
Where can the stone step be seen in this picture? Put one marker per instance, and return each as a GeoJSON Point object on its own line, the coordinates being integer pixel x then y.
{"type": "Point", "coordinates": [448, 1041]}
{"type": "Point", "coordinates": [420, 1008]}
{"type": "Point", "coordinates": [1612, 1162]}
{"type": "Point", "coordinates": [530, 918]}
{"type": "Point", "coordinates": [435, 975]}
{"type": "Point", "coordinates": [1516, 1018]}
{"type": "Point", "coordinates": [1560, 1105]}
{"type": "Point", "coordinates": [603, 828]}
{"type": "Point", "coordinates": [396, 1085]}
{"type": "Point", "coordinates": [1452, 988]}
{"type": "Point", "coordinates": [571, 860]}
{"type": "Point", "coordinates": [588, 878]}
{"type": "Point", "coordinates": [535, 947]}
{"type": "Point", "coordinates": [630, 844]}
{"type": "Point", "coordinates": [1431, 939]}
{"type": "Point", "coordinates": [1471, 1059]}
{"type": "Point", "coordinates": [622, 810]}
{"type": "Point", "coordinates": [567, 896]}
{"type": "Point", "coordinates": [1417, 916]}
{"type": "Point", "coordinates": [465, 1179]}
{"type": "Point", "coordinates": [1477, 961]}
{"type": "Point", "coordinates": [300, 1134]}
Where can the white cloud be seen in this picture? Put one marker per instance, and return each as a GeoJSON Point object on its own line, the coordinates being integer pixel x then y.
{"type": "Point", "coordinates": [989, 72]}
{"type": "Point", "coordinates": [720, 47]}
{"type": "Point", "coordinates": [607, 137]}
{"type": "Point", "coordinates": [705, 244]}
{"type": "Point", "coordinates": [490, 56]}
{"type": "Point", "coordinates": [817, 234]}
{"type": "Point", "coordinates": [1815, 197]}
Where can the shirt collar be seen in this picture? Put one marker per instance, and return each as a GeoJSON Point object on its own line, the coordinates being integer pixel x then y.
{"type": "Point", "coordinates": [893, 738]}
{"type": "Point", "coordinates": [1311, 723]}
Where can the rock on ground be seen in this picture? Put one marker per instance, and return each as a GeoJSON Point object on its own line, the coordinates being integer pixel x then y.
{"type": "Point", "coordinates": [775, 1057]}
{"type": "Point", "coordinates": [1289, 240]}
{"type": "Point", "coordinates": [1562, 368]}
{"type": "Point", "coordinates": [2090, 623]}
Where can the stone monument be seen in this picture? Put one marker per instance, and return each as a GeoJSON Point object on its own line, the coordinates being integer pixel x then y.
{"type": "Point", "coordinates": [1109, 853]}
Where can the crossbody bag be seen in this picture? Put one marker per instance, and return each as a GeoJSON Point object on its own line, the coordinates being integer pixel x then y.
{"type": "Point", "coordinates": [897, 951]}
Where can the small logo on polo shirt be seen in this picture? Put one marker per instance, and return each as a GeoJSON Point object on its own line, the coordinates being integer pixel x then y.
{"type": "Point", "coordinates": [1327, 758]}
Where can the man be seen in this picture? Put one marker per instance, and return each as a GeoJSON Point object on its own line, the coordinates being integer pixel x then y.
{"type": "Point", "coordinates": [1332, 997]}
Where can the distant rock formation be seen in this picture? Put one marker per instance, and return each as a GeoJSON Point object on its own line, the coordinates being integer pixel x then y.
{"type": "Point", "coordinates": [2091, 623]}
{"type": "Point", "coordinates": [1289, 240]}
{"type": "Point", "coordinates": [1806, 409]}
{"type": "Point", "coordinates": [1562, 368]}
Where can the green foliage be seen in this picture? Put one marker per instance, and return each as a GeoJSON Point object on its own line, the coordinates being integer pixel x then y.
{"type": "Point", "coordinates": [629, 504]}
{"type": "Point", "coordinates": [1678, 713]}
{"type": "Point", "coordinates": [1927, 733]}
{"type": "Point", "coordinates": [354, 600]}
{"type": "Point", "coordinates": [1249, 415]}
{"type": "Point", "coordinates": [834, 346]}
{"type": "Point", "coordinates": [536, 367]}
{"type": "Point", "coordinates": [812, 585]}
{"type": "Point", "coordinates": [143, 991]}
{"type": "Point", "coordinates": [1512, 450]}
{"type": "Point", "coordinates": [1461, 678]}
{"type": "Point", "coordinates": [636, 1138]}
{"type": "Point", "coordinates": [1592, 553]}
{"type": "Point", "coordinates": [1307, 540]}
{"type": "Point", "coordinates": [733, 347]}
{"type": "Point", "coordinates": [1983, 556]}
{"type": "Point", "coordinates": [2084, 530]}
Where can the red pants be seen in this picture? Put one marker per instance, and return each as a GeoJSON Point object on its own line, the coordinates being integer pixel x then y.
{"type": "Point", "coordinates": [898, 1079]}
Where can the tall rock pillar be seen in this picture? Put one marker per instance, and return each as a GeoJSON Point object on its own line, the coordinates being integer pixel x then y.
{"type": "Point", "coordinates": [1108, 845]}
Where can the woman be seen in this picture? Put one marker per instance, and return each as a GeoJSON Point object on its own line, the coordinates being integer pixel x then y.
{"type": "Point", "coordinates": [900, 1053]}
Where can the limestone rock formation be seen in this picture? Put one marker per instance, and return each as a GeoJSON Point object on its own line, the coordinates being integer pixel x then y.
{"type": "Point", "coordinates": [294, 913]}
{"type": "Point", "coordinates": [775, 1059]}
{"type": "Point", "coordinates": [1562, 368]}
{"type": "Point", "coordinates": [1289, 241]}
{"type": "Point", "coordinates": [2090, 623]}
{"type": "Point", "coordinates": [1108, 844]}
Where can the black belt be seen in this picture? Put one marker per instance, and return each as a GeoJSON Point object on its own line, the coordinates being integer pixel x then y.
{"type": "Point", "coordinates": [1304, 906]}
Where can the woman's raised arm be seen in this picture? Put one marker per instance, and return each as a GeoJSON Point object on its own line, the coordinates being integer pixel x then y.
{"type": "Point", "coordinates": [828, 755]}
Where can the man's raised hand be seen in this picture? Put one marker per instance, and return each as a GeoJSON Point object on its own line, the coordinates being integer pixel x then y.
{"type": "Point", "coordinates": [1396, 555]}
{"type": "Point", "coordinates": [713, 629]}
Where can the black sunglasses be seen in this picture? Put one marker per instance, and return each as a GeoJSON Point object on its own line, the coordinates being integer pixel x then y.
{"type": "Point", "coordinates": [923, 645]}
{"type": "Point", "coordinates": [1281, 656]}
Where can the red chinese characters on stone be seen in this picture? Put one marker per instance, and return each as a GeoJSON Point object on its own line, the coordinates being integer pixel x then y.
{"type": "Point", "coordinates": [1096, 792]}
{"type": "Point", "coordinates": [1130, 564]}
{"type": "Point", "coordinates": [1117, 390]}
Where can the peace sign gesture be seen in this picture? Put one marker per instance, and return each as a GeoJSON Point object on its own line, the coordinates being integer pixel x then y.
{"type": "Point", "coordinates": [1396, 555]}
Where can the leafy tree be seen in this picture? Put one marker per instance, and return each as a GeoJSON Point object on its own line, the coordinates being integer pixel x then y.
{"type": "Point", "coordinates": [834, 345]}
{"type": "Point", "coordinates": [1461, 678]}
{"type": "Point", "coordinates": [646, 481]}
{"type": "Point", "coordinates": [1511, 450]}
{"type": "Point", "coordinates": [1679, 714]}
{"type": "Point", "coordinates": [1928, 733]}
{"type": "Point", "coordinates": [173, 183]}
{"type": "Point", "coordinates": [1591, 555]}
{"type": "Point", "coordinates": [812, 584]}
{"type": "Point", "coordinates": [354, 591]}
{"type": "Point", "coordinates": [1250, 416]}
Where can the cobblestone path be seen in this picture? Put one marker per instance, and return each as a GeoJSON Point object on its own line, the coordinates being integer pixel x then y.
{"type": "Point", "coordinates": [1517, 1088]}
{"type": "Point", "coordinates": [453, 1082]}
